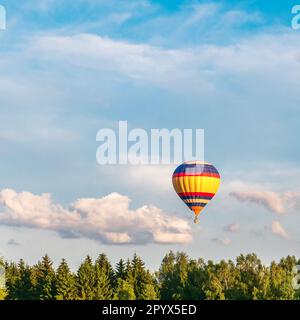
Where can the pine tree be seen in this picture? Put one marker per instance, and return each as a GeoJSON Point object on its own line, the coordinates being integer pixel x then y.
{"type": "Point", "coordinates": [45, 279]}
{"type": "Point", "coordinates": [65, 282]}
{"type": "Point", "coordinates": [121, 270]}
{"type": "Point", "coordinates": [128, 270]}
{"type": "Point", "coordinates": [178, 278]}
{"type": "Point", "coordinates": [124, 290]}
{"type": "Point", "coordinates": [103, 262]}
{"type": "Point", "coordinates": [11, 277]}
{"type": "Point", "coordinates": [140, 277]}
{"type": "Point", "coordinates": [85, 280]}
{"type": "Point", "coordinates": [104, 279]}
{"type": "Point", "coordinates": [24, 285]}
{"type": "Point", "coordinates": [149, 292]}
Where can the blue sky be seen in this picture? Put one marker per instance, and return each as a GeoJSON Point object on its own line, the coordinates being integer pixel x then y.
{"type": "Point", "coordinates": [70, 68]}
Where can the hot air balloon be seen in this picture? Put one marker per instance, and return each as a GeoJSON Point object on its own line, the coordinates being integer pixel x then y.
{"type": "Point", "coordinates": [196, 183]}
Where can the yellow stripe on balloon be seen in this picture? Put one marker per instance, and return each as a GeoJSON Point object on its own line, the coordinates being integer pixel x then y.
{"type": "Point", "coordinates": [196, 200]}
{"type": "Point", "coordinates": [200, 184]}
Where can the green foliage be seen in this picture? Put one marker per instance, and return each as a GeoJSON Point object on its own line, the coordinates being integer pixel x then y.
{"type": "Point", "coordinates": [178, 277]}
{"type": "Point", "coordinates": [24, 285]}
{"type": "Point", "coordinates": [3, 292]}
{"type": "Point", "coordinates": [148, 292]}
{"type": "Point", "coordinates": [104, 279]}
{"type": "Point", "coordinates": [140, 278]}
{"type": "Point", "coordinates": [124, 290]}
{"type": "Point", "coordinates": [65, 284]}
{"type": "Point", "coordinates": [45, 279]}
{"type": "Point", "coordinates": [121, 270]}
{"type": "Point", "coordinates": [281, 279]}
{"type": "Point", "coordinates": [85, 280]}
{"type": "Point", "coordinates": [11, 276]}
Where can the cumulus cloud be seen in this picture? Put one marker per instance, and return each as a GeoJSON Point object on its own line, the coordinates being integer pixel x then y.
{"type": "Point", "coordinates": [233, 227]}
{"type": "Point", "coordinates": [273, 201]}
{"type": "Point", "coordinates": [278, 230]}
{"type": "Point", "coordinates": [268, 199]}
{"type": "Point", "coordinates": [108, 219]}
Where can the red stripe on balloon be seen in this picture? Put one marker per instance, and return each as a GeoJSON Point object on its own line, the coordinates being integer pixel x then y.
{"type": "Point", "coordinates": [205, 194]}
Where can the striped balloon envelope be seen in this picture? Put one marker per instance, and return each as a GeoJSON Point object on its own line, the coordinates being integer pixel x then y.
{"type": "Point", "coordinates": [196, 183]}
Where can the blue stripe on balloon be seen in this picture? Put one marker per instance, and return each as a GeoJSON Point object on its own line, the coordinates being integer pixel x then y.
{"type": "Point", "coordinates": [195, 204]}
{"type": "Point", "coordinates": [196, 197]}
{"type": "Point", "coordinates": [196, 168]}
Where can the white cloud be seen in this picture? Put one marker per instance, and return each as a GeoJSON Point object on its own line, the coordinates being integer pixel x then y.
{"type": "Point", "coordinates": [107, 219]}
{"type": "Point", "coordinates": [204, 64]}
{"type": "Point", "coordinates": [200, 13]}
{"type": "Point", "coordinates": [268, 199]}
{"type": "Point", "coordinates": [136, 61]}
{"type": "Point", "coordinates": [278, 230]}
{"type": "Point", "coordinates": [273, 201]}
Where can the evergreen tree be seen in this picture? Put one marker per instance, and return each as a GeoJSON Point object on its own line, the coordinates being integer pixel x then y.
{"type": "Point", "coordinates": [124, 290]}
{"type": "Point", "coordinates": [11, 277]}
{"type": "Point", "coordinates": [104, 279]}
{"type": "Point", "coordinates": [129, 271]}
{"type": "Point", "coordinates": [178, 278]}
{"type": "Point", "coordinates": [85, 280]}
{"type": "Point", "coordinates": [45, 279]}
{"type": "Point", "coordinates": [140, 277]}
{"type": "Point", "coordinates": [65, 282]}
{"type": "Point", "coordinates": [149, 292]}
{"type": "Point", "coordinates": [121, 270]}
{"type": "Point", "coordinates": [24, 286]}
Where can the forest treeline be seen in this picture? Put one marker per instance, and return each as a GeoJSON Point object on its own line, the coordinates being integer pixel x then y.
{"type": "Point", "coordinates": [178, 277]}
